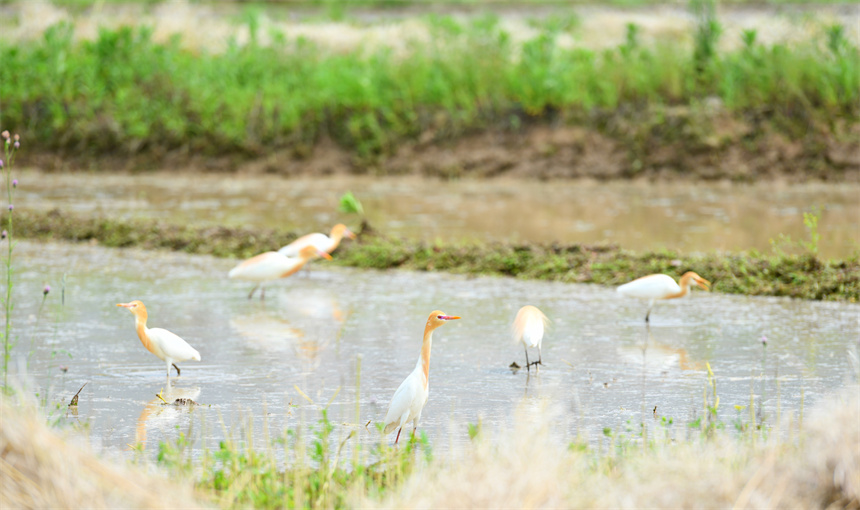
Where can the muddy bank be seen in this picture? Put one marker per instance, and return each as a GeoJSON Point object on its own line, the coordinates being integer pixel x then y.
{"type": "Point", "coordinates": [669, 144]}
{"type": "Point", "coordinates": [801, 275]}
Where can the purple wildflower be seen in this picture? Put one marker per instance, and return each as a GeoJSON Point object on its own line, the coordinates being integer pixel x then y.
{"type": "Point", "coordinates": [17, 145]}
{"type": "Point", "coordinates": [4, 235]}
{"type": "Point", "coordinates": [11, 207]}
{"type": "Point", "coordinates": [14, 181]}
{"type": "Point", "coordinates": [46, 290]}
{"type": "Point", "coordinates": [5, 134]}
{"type": "Point", "coordinates": [16, 137]}
{"type": "Point", "coordinates": [764, 340]}
{"type": "Point", "coordinates": [1, 164]}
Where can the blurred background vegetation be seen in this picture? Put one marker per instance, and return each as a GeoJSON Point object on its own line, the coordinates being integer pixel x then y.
{"type": "Point", "coordinates": [286, 76]}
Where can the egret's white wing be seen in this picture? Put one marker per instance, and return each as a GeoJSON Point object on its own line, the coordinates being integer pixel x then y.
{"type": "Point", "coordinates": [263, 267]}
{"type": "Point", "coordinates": [172, 345]}
{"type": "Point", "coordinates": [655, 286]}
{"type": "Point", "coordinates": [409, 395]}
{"type": "Point", "coordinates": [320, 241]}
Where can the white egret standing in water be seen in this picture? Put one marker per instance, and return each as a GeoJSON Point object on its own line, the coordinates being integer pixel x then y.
{"type": "Point", "coordinates": [528, 328]}
{"type": "Point", "coordinates": [273, 265]}
{"type": "Point", "coordinates": [411, 395]}
{"type": "Point", "coordinates": [169, 347]}
{"type": "Point", "coordinates": [662, 286]}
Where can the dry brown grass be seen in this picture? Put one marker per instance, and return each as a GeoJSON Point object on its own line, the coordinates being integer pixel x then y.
{"type": "Point", "coordinates": [39, 468]}
{"type": "Point", "coordinates": [817, 466]}
{"type": "Point", "coordinates": [525, 469]}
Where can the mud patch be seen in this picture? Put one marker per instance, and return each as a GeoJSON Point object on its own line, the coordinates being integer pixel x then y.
{"type": "Point", "coordinates": [673, 144]}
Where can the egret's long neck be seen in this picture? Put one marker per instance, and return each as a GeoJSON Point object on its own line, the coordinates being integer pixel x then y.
{"type": "Point", "coordinates": [424, 359]}
{"type": "Point", "coordinates": [336, 237]}
{"type": "Point", "coordinates": [684, 283]}
{"type": "Point", "coordinates": [140, 326]}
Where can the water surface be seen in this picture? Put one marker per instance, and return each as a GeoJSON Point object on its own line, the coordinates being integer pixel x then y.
{"type": "Point", "coordinates": [635, 215]}
{"type": "Point", "coordinates": [601, 367]}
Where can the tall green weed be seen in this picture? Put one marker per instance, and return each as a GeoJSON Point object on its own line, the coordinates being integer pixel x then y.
{"type": "Point", "coordinates": [123, 93]}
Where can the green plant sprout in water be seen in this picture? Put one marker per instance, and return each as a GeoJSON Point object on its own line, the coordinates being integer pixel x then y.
{"type": "Point", "coordinates": [11, 144]}
{"type": "Point", "coordinates": [783, 243]}
{"type": "Point", "coordinates": [810, 219]}
{"type": "Point", "coordinates": [350, 205]}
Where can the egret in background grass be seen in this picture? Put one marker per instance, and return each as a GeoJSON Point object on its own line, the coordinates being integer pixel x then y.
{"type": "Point", "coordinates": [528, 328]}
{"type": "Point", "coordinates": [662, 286]}
{"type": "Point", "coordinates": [321, 242]}
{"type": "Point", "coordinates": [273, 265]}
{"type": "Point", "coordinates": [169, 347]}
{"type": "Point", "coordinates": [411, 395]}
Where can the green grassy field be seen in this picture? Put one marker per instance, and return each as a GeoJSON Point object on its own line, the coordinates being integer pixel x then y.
{"type": "Point", "coordinates": [125, 95]}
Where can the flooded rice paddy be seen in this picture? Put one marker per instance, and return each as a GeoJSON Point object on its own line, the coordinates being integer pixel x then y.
{"type": "Point", "coordinates": [281, 361]}
{"type": "Point", "coordinates": [639, 216]}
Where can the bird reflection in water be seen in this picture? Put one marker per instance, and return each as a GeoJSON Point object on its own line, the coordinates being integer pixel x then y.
{"type": "Point", "coordinates": [658, 356]}
{"type": "Point", "coordinates": [163, 411]}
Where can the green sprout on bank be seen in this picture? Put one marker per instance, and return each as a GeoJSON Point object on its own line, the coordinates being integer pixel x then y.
{"type": "Point", "coordinates": [11, 144]}
{"type": "Point", "coordinates": [785, 243]}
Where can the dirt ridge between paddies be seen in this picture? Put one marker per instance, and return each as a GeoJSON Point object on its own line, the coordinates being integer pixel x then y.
{"type": "Point", "coordinates": [800, 275]}
{"type": "Point", "coordinates": [477, 102]}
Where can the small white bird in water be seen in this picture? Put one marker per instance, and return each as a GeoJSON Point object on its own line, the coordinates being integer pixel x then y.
{"type": "Point", "coordinates": [273, 265]}
{"type": "Point", "coordinates": [411, 395]}
{"type": "Point", "coordinates": [322, 242]}
{"type": "Point", "coordinates": [166, 345]}
{"type": "Point", "coordinates": [528, 328]}
{"type": "Point", "coordinates": [662, 286]}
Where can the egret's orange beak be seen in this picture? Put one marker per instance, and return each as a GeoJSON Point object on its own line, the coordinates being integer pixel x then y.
{"type": "Point", "coordinates": [448, 317]}
{"type": "Point", "coordinates": [348, 233]}
{"type": "Point", "coordinates": [704, 283]}
{"type": "Point", "coordinates": [124, 305]}
{"type": "Point", "coordinates": [324, 255]}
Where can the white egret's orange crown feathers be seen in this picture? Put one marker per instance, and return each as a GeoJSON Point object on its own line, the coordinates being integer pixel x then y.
{"type": "Point", "coordinates": [530, 321]}
{"type": "Point", "coordinates": [136, 307]}
{"type": "Point", "coordinates": [339, 231]}
{"type": "Point", "coordinates": [438, 318]}
{"type": "Point", "coordinates": [701, 282]}
{"type": "Point", "coordinates": [310, 252]}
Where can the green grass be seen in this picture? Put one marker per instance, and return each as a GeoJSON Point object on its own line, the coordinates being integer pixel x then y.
{"type": "Point", "coordinates": [798, 273]}
{"type": "Point", "coordinates": [125, 95]}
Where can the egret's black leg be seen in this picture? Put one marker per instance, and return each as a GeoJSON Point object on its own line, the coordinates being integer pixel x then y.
{"type": "Point", "coordinates": [528, 367]}
{"type": "Point", "coordinates": [177, 369]}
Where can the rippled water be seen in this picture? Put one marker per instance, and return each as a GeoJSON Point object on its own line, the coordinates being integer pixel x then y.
{"type": "Point", "coordinates": [600, 370]}
{"type": "Point", "coordinates": [635, 215]}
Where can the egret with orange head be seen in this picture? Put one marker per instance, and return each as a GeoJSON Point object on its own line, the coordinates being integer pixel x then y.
{"type": "Point", "coordinates": [528, 328]}
{"type": "Point", "coordinates": [411, 395]}
{"type": "Point", "coordinates": [169, 347]}
{"type": "Point", "coordinates": [662, 286]}
{"type": "Point", "coordinates": [322, 242]}
{"type": "Point", "coordinates": [273, 265]}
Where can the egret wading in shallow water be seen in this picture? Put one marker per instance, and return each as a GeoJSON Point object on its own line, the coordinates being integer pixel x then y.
{"type": "Point", "coordinates": [273, 265]}
{"type": "Point", "coordinates": [662, 286]}
{"type": "Point", "coordinates": [322, 242]}
{"type": "Point", "coordinates": [528, 328]}
{"type": "Point", "coordinates": [411, 395]}
{"type": "Point", "coordinates": [169, 347]}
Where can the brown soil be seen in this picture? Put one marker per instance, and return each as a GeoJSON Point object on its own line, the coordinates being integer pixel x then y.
{"type": "Point", "coordinates": [680, 146]}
